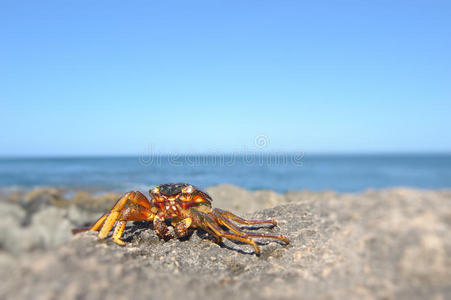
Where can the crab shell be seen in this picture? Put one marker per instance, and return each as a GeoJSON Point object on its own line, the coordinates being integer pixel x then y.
{"type": "Point", "coordinates": [184, 195]}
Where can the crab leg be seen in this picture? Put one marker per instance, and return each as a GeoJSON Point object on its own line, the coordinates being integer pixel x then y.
{"type": "Point", "coordinates": [135, 198]}
{"type": "Point", "coordinates": [139, 209]}
{"type": "Point", "coordinates": [118, 231]}
{"type": "Point", "coordinates": [240, 220]}
{"type": "Point", "coordinates": [224, 221]}
{"type": "Point", "coordinates": [130, 214]}
{"type": "Point", "coordinates": [208, 223]}
{"type": "Point", "coordinates": [113, 216]}
{"type": "Point", "coordinates": [96, 227]}
{"type": "Point", "coordinates": [181, 228]}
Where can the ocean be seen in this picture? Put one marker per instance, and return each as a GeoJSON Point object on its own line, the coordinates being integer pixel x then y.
{"type": "Point", "coordinates": [279, 172]}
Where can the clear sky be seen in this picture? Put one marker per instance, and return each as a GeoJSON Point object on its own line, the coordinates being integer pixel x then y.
{"type": "Point", "coordinates": [115, 77]}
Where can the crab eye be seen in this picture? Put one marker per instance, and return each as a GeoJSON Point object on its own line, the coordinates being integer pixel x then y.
{"type": "Point", "coordinates": [154, 191]}
{"type": "Point", "coordinates": [188, 189]}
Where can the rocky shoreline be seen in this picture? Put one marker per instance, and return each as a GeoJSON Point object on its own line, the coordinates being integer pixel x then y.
{"type": "Point", "coordinates": [379, 244]}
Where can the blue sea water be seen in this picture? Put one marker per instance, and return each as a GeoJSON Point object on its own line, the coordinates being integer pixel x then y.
{"type": "Point", "coordinates": [281, 172]}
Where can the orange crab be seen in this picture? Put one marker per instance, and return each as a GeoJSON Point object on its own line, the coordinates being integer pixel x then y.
{"type": "Point", "coordinates": [186, 207]}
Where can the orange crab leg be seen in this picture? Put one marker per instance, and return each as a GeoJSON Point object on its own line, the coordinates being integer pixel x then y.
{"type": "Point", "coordinates": [129, 215]}
{"type": "Point", "coordinates": [96, 227]}
{"type": "Point", "coordinates": [136, 198]}
{"type": "Point", "coordinates": [118, 231]}
{"type": "Point", "coordinates": [240, 220]}
{"type": "Point", "coordinates": [210, 225]}
{"type": "Point", "coordinates": [139, 209]}
{"type": "Point", "coordinates": [222, 220]}
{"type": "Point", "coordinates": [108, 225]}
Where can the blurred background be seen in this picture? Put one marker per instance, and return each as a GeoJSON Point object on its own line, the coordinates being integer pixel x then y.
{"type": "Point", "coordinates": [342, 95]}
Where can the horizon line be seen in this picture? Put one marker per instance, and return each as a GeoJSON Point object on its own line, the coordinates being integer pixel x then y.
{"type": "Point", "coordinates": [209, 154]}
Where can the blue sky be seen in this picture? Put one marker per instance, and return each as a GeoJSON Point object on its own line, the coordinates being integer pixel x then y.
{"type": "Point", "coordinates": [115, 77]}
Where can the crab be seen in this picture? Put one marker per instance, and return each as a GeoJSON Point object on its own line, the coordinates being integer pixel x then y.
{"type": "Point", "coordinates": [184, 207]}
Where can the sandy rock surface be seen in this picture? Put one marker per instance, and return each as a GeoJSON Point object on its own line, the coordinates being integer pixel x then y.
{"type": "Point", "coordinates": [385, 244]}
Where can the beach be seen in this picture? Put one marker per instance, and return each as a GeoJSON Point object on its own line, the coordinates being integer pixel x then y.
{"type": "Point", "coordinates": [390, 243]}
